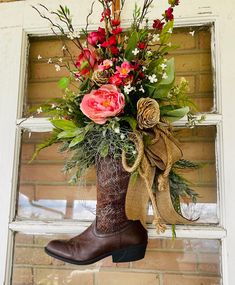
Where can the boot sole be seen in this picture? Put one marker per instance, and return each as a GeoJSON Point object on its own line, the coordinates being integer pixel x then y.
{"type": "Point", "coordinates": [128, 254]}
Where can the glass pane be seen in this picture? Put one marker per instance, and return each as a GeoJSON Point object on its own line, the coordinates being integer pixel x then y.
{"type": "Point", "coordinates": [44, 192]}
{"type": "Point", "coordinates": [167, 262]}
{"type": "Point", "coordinates": [192, 60]}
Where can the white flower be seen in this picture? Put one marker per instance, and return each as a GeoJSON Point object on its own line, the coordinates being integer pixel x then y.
{"type": "Point", "coordinates": [57, 67]}
{"type": "Point", "coordinates": [164, 75]}
{"type": "Point", "coordinates": [64, 48]}
{"type": "Point", "coordinates": [122, 137]}
{"type": "Point", "coordinates": [170, 31]}
{"type": "Point", "coordinates": [153, 78]}
{"type": "Point", "coordinates": [163, 66]}
{"type": "Point", "coordinates": [192, 33]}
{"type": "Point", "coordinates": [128, 88]}
{"type": "Point", "coordinates": [126, 38]}
{"type": "Point", "coordinates": [39, 110]}
{"type": "Point", "coordinates": [135, 51]}
{"type": "Point", "coordinates": [141, 89]}
{"type": "Point", "coordinates": [156, 38]}
{"type": "Point", "coordinates": [73, 35]}
{"type": "Point", "coordinates": [60, 59]}
{"type": "Point", "coordinates": [134, 152]}
{"type": "Point", "coordinates": [49, 60]}
{"type": "Point", "coordinates": [144, 68]}
{"type": "Point", "coordinates": [53, 106]}
{"type": "Point", "coordinates": [39, 57]}
{"type": "Point", "coordinates": [149, 53]}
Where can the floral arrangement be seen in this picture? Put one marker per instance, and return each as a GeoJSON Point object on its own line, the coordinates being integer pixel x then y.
{"type": "Point", "coordinates": [120, 94]}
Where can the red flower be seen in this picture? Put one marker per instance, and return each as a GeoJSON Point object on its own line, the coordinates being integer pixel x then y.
{"type": "Point", "coordinates": [141, 75]}
{"type": "Point", "coordinates": [111, 41]}
{"type": "Point", "coordinates": [86, 60]}
{"type": "Point", "coordinates": [96, 37]}
{"type": "Point", "coordinates": [106, 14]}
{"type": "Point", "coordinates": [157, 24]}
{"type": "Point", "coordinates": [141, 45]}
{"type": "Point", "coordinates": [114, 50]}
{"type": "Point", "coordinates": [117, 31]}
{"type": "Point", "coordinates": [169, 14]}
{"type": "Point", "coordinates": [115, 22]}
{"type": "Point", "coordinates": [116, 80]}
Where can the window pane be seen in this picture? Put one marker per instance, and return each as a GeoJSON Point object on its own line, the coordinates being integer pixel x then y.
{"type": "Point", "coordinates": [192, 61]}
{"type": "Point", "coordinates": [44, 192]}
{"type": "Point", "coordinates": [167, 262]}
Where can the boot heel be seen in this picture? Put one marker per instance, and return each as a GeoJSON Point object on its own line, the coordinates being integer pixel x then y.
{"type": "Point", "coordinates": [131, 253]}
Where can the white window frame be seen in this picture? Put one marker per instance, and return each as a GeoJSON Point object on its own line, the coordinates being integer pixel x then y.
{"type": "Point", "coordinates": [17, 21]}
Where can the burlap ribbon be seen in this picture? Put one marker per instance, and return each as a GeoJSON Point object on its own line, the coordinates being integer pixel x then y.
{"type": "Point", "coordinates": [153, 163]}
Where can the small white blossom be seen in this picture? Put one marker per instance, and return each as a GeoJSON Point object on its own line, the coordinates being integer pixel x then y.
{"type": "Point", "coordinates": [117, 130]}
{"type": "Point", "coordinates": [144, 68]}
{"type": "Point", "coordinates": [153, 78]}
{"type": "Point", "coordinates": [170, 44]}
{"type": "Point", "coordinates": [126, 38]}
{"type": "Point", "coordinates": [39, 57]}
{"type": "Point", "coordinates": [49, 61]}
{"type": "Point", "coordinates": [53, 106]}
{"type": "Point", "coordinates": [39, 110]}
{"type": "Point", "coordinates": [135, 51]}
{"type": "Point", "coordinates": [192, 33]}
{"type": "Point", "coordinates": [99, 45]}
{"type": "Point", "coordinates": [141, 89]}
{"type": "Point", "coordinates": [64, 48]}
{"type": "Point", "coordinates": [128, 88]}
{"type": "Point", "coordinates": [149, 53]}
{"type": "Point", "coordinates": [164, 75]}
{"type": "Point", "coordinates": [170, 31]}
{"type": "Point", "coordinates": [163, 66]}
{"type": "Point", "coordinates": [134, 152]}
{"type": "Point", "coordinates": [122, 137]}
{"type": "Point", "coordinates": [60, 59]}
{"type": "Point", "coordinates": [73, 35]}
{"type": "Point", "coordinates": [57, 67]}
{"type": "Point", "coordinates": [156, 38]}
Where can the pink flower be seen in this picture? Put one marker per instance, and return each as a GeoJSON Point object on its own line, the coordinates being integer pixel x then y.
{"type": "Point", "coordinates": [124, 70]}
{"type": "Point", "coordinates": [97, 37]}
{"type": "Point", "coordinates": [100, 104]}
{"type": "Point", "coordinates": [141, 45]}
{"type": "Point", "coordinates": [107, 63]}
{"type": "Point", "coordinates": [169, 14]}
{"type": "Point", "coordinates": [86, 61]}
{"type": "Point", "coordinates": [115, 22]}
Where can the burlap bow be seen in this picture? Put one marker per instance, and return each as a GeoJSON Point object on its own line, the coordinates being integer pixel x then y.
{"type": "Point", "coordinates": [153, 163]}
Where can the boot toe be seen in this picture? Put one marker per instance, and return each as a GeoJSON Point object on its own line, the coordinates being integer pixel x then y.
{"type": "Point", "coordinates": [58, 248]}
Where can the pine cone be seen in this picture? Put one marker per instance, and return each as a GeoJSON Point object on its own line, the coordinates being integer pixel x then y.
{"type": "Point", "coordinates": [148, 113]}
{"type": "Point", "coordinates": [101, 77]}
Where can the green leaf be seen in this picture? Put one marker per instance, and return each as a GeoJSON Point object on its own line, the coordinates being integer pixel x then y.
{"type": "Point", "coordinates": [180, 113]}
{"type": "Point", "coordinates": [165, 35]}
{"type": "Point", "coordinates": [63, 124]}
{"type": "Point", "coordinates": [131, 121]}
{"type": "Point", "coordinates": [132, 44]}
{"type": "Point", "coordinates": [63, 82]}
{"type": "Point", "coordinates": [104, 151]}
{"type": "Point", "coordinates": [77, 140]}
{"type": "Point", "coordinates": [69, 133]}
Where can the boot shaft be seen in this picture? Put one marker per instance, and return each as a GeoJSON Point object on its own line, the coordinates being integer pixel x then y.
{"type": "Point", "coordinates": [112, 185]}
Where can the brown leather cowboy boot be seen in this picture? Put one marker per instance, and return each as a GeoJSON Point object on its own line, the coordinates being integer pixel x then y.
{"type": "Point", "coordinates": [111, 233]}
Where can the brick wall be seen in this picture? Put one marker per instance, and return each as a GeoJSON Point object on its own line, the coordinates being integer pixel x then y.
{"type": "Point", "coordinates": [167, 262]}
{"type": "Point", "coordinates": [182, 262]}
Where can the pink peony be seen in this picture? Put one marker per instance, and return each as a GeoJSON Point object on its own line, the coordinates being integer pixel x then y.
{"type": "Point", "coordinates": [107, 63]}
{"type": "Point", "coordinates": [100, 104]}
{"type": "Point", "coordinates": [85, 61]}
